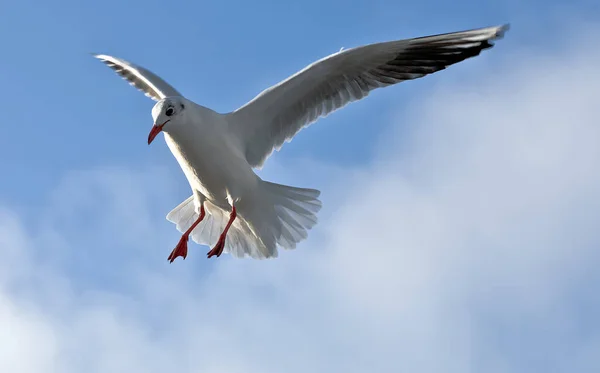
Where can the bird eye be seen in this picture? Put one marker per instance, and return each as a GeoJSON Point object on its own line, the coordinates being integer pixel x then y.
{"type": "Point", "coordinates": [169, 111]}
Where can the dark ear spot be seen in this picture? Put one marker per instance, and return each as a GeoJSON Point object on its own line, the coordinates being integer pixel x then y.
{"type": "Point", "coordinates": [182, 106]}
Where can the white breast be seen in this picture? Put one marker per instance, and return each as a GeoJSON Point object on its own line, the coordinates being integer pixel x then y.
{"type": "Point", "coordinates": [212, 165]}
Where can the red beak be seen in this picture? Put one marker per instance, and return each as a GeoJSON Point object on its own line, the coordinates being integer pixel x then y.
{"type": "Point", "coordinates": [156, 129]}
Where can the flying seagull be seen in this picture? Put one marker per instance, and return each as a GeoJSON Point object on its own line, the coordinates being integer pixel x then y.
{"type": "Point", "coordinates": [240, 213]}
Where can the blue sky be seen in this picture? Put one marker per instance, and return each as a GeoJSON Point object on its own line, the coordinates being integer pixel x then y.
{"type": "Point", "coordinates": [217, 57]}
{"type": "Point", "coordinates": [458, 230]}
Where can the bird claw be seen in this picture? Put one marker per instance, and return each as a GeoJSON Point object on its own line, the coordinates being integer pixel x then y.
{"type": "Point", "coordinates": [179, 250]}
{"type": "Point", "coordinates": [218, 249]}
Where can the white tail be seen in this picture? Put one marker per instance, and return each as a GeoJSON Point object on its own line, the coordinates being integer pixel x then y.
{"type": "Point", "coordinates": [280, 215]}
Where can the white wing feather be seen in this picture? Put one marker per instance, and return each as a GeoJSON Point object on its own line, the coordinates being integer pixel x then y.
{"type": "Point", "coordinates": [277, 114]}
{"type": "Point", "coordinates": [144, 80]}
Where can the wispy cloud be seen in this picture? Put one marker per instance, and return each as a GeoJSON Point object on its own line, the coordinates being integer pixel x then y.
{"type": "Point", "coordinates": [469, 244]}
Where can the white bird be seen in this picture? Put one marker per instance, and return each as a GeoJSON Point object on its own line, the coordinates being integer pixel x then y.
{"type": "Point", "coordinates": [217, 152]}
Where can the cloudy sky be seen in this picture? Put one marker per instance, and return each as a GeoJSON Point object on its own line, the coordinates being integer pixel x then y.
{"type": "Point", "coordinates": [459, 227]}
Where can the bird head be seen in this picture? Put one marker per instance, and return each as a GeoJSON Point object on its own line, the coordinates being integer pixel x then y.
{"type": "Point", "coordinates": [166, 114]}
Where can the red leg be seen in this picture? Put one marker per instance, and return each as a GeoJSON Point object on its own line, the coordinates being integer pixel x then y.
{"type": "Point", "coordinates": [218, 249]}
{"type": "Point", "coordinates": [181, 248]}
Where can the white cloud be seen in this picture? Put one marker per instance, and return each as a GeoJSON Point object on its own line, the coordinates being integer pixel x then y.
{"type": "Point", "coordinates": [470, 244]}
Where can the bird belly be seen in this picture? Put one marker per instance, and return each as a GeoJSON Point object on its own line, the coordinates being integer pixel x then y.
{"type": "Point", "coordinates": [221, 179]}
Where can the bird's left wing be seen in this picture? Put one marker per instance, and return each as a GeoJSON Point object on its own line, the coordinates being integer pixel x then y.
{"type": "Point", "coordinates": [278, 113]}
{"type": "Point", "coordinates": [142, 79]}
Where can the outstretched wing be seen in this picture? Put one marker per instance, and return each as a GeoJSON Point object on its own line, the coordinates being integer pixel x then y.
{"type": "Point", "coordinates": [279, 112]}
{"type": "Point", "coordinates": [142, 79]}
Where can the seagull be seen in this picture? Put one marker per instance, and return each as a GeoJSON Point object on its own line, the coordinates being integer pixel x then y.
{"type": "Point", "coordinates": [241, 214]}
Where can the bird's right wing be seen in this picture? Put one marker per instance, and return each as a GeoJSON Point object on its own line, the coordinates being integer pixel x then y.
{"type": "Point", "coordinates": [142, 79]}
{"type": "Point", "coordinates": [277, 114]}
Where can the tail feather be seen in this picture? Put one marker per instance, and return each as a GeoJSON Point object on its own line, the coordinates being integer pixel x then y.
{"type": "Point", "coordinates": [281, 216]}
{"type": "Point", "coordinates": [295, 212]}
{"type": "Point", "coordinates": [240, 239]}
{"type": "Point", "coordinates": [183, 215]}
